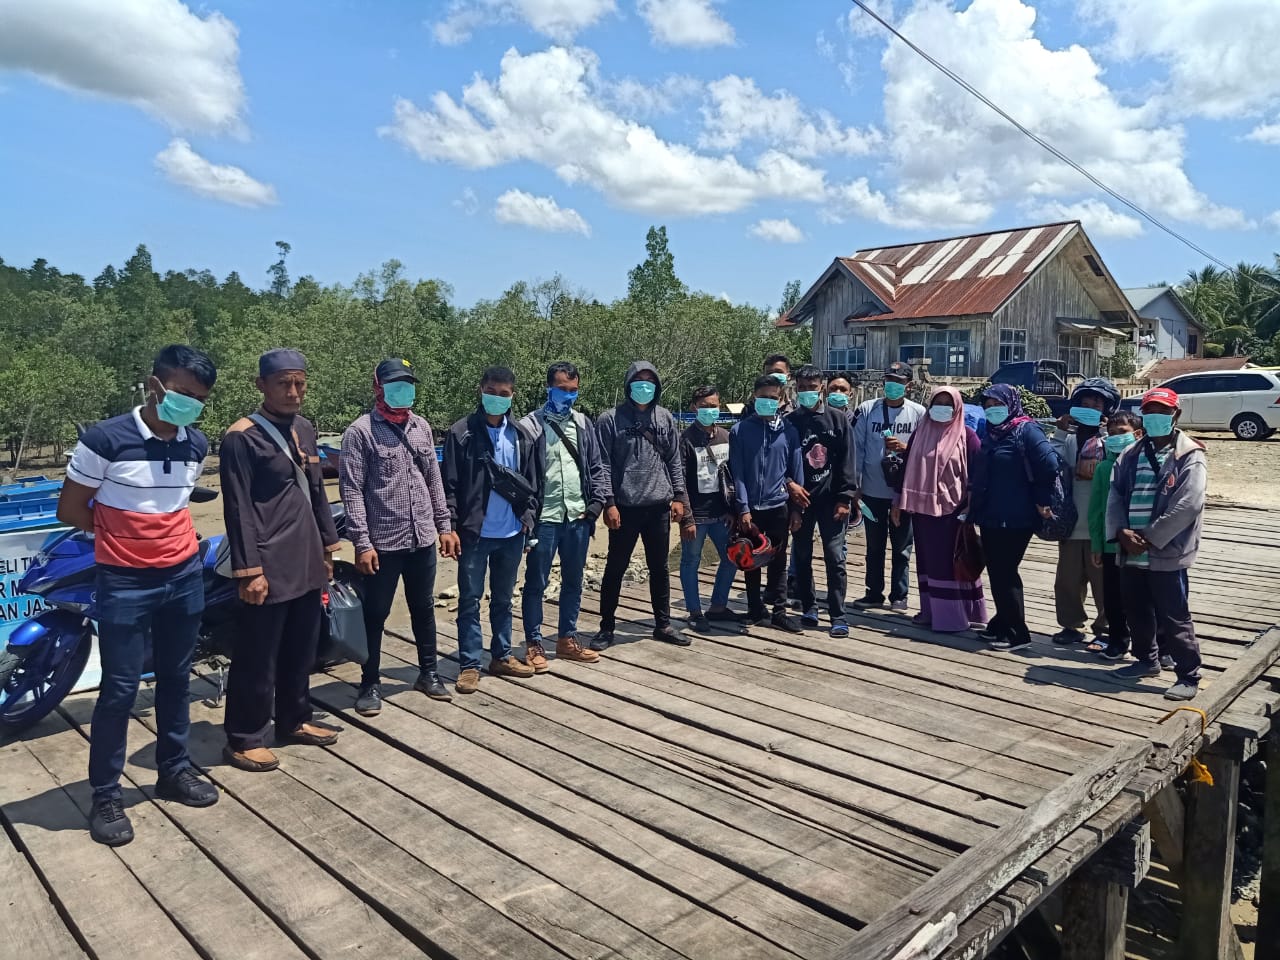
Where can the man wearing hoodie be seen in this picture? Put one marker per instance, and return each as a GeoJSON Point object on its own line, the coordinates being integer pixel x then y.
{"type": "Point", "coordinates": [574, 494]}
{"type": "Point", "coordinates": [764, 460]}
{"type": "Point", "coordinates": [645, 491]}
{"type": "Point", "coordinates": [1079, 441]}
{"type": "Point", "coordinates": [1155, 513]}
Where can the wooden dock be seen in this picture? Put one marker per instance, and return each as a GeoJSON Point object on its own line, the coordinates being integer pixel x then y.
{"type": "Point", "coordinates": [751, 796]}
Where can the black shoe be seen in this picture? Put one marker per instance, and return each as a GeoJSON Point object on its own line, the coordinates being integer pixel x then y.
{"type": "Point", "coordinates": [369, 700]}
{"type": "Point", "coordinates": [783, 621]}
{"type": "Point", "coordinates": [109, 823]}
{"type": "Point", "coordinates": [1114, 653]}
{"type": "Point", "coordinates": [428, 682]}
{"type": "Point", "coordinates": [669, 634]}
{"type": "Point", "coordinates": [757, 617]}
{"type": "Point", "coordinates": [699, 622]}
{"type": "Point", "coordinates": [1011, 643]}
{"type": "Point", "coordinates": [869, 602]}
{"type": "Point", "coordinates": [602, 640]}
{"type": "Point", "coordinates": [726, 616]}
{"type": "Point", "coordinates": [991, 634]}
{"type": "Point", "coordinates": [1064, 638]}
{"type": "Point", "coordinates": [188, 788]}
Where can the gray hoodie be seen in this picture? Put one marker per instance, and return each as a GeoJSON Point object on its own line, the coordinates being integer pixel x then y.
{"type": "Point", "coordinates": [641, 450]}
{"type": "Point", "coordinates": [1178, 515]}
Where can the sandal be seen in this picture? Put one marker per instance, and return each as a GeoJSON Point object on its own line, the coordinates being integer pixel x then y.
{"type": "Point", "coordinates": [241, 761]}
{"type": "Point", "coordinates": [1097, 646]}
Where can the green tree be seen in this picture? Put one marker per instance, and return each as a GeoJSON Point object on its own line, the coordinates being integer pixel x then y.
{"type": "Point", "coordinates": [791, 294]}
{"type": "Point", "coordinates": [279, 271]}
{"type": "Point", "coordinates": [653, 285]}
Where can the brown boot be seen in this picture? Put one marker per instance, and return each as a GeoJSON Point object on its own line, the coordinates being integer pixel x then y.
{"type": "Point", "coordinates": [511, 668]}
{"type": "Point", "coordinates": [536, 657]}
{"type": "Point", "coordinates": [568, 648]}
{"type": "Point", "coordinates": [468, 681]}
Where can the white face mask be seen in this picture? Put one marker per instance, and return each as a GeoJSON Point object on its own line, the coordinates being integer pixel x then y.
{"type": "Point", "coordinates": [942, 414]}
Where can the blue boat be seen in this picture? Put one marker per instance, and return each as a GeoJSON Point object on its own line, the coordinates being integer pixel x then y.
{"type": "Point", "coordinates": [29, 503]}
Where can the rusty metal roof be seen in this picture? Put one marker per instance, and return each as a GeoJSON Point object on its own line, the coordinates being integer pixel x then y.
{"type": "Point", "coordinates": [1163, 370]}
{"type": "Point", "coordinates": [959, 276]}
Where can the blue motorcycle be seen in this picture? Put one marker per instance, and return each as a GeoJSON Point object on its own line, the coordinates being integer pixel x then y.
{"type": "Point", "coordinates": [46, 655]}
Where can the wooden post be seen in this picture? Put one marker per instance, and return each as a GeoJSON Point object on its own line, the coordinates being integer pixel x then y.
{"type": "Point", "coordinates": [1093, 925]}
{"type": "Point", "coordinates": [1168, 823]}
{"type": "Point", "coordinates": [1268, 941]}
{"type": "Point", "coordinates": [1210, 846]}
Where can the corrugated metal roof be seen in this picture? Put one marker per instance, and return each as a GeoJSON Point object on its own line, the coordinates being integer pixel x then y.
{"type": "Point", "coordinates": [959, 276]}
{"type": "Point", "coordinates": [1164, 370]}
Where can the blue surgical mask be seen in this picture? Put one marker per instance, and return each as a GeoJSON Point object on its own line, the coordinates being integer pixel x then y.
{"type": "Point", "coordinates": [838, 400]}
{"type": "Point", "coordinates": [179, 409]}
{"type": "Point", "coordinates": [643, 391]}
{"type": "Point", "coordinates": [996, 415]}
{"type": "Point", "coordinates": [766, 406]}
{"type": "Point", "coordinates": [1118, 443]}
{"type": "Point", "coordinates": [560, 401]}
{"type": "Point", "coordinates": [1086, 416]}
{"type": "Point", "coordinates": [782, 378]}
{"type": "Point", "coordinates": [399, 394]}
{"type": "Point", "coordinates": [942, 413]}
{"type": "Point", "coordinates": [495, 405]}
{"type": "Point", "coordinates": [1157, 424]}
{"type": "Point", "coordinates": [894, 391]}
{"type": "Point", "coordinates": [808, 398]}
{"type": "Point", "coordinates": [708, 416]}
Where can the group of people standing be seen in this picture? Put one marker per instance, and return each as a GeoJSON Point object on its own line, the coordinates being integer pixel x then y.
{"type": "Point", "coordinates": [799, 464]}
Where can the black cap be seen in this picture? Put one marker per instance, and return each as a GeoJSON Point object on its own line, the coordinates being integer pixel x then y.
{"type": "Point", "coordinates": [902, 371]}
{"type": "Point", "coordinates": [395, 369]}
{"type": "Point", "coordinates": [280, 359]}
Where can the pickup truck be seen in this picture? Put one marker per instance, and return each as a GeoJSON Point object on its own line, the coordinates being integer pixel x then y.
{"type": "Point", "coordinates": [1047, 379]}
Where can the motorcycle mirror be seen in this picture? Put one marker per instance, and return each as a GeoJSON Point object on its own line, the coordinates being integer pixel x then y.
{"type": "Point", "coordinates": [203, 495]}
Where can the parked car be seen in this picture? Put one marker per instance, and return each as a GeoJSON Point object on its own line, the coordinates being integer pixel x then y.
{"type": "Point", "coordinates": [1047, 379]}
{"type": "Point", "coordinates": [1246, 402]}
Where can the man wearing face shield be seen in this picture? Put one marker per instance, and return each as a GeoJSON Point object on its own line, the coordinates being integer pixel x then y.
{"type": "Point", "coordinates": [129, 482]}
{"type": "Point", "coordinates": [396, 516]}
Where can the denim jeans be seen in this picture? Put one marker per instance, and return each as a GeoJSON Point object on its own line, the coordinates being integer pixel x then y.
{"type": "Point", "coordinates": [881, 534]}
{"type": "Point", "coordinates": [571, 539]}
{"type": "Point", "coordinates": [417, 568]}
{"type": "Point", "coordinates": [501, 558]}
{"type": "Point", "coordinates": [691, 559]}
{"type": "Point", "coordinates": [821, 514]}
{"type": "Point", "coordinates": [138, 609]}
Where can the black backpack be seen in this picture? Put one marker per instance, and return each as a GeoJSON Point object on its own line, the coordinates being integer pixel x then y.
{"type": "Point", "coordinates": [1062, 502]}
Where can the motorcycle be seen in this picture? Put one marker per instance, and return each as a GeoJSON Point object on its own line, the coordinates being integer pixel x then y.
{"type": "Point", "coordinates": [46, 655]}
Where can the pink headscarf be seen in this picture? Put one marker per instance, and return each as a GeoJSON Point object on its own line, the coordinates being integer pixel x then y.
{"type": "Point", "coordinates": [938, 463]}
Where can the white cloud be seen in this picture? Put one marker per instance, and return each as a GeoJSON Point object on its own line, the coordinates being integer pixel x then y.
{"type": "Point", "coordinates": [540, 213]}
{"type": "Point", "coordinates": [686, 23]}
{"type": "Point", "coordinates": [858, 23]}
{"type": "Point", "coordinates": [185, 167]}
{"type": "Point", "coordinates": [1273, 221]}
{"type": "Point", "coordinates": [956, 161]}
{"type": "Point", "coordinates": [1220, 54]}
{"type": "Point", "coordinates": [559, 19]}
{"type": "Point", "coordinates": [1098, 218]}
{"type": "Point", "coordinates": [468, 203]}
{"type": "Point", "coordinates": [546, 108]}
{"type": "Point", "coordinates": [155, 54]}
{"type": "Point", "coordinates": [637, 100]}
{"type": "Point", "coordinates": [1268, 133]}
{"type": "Point", "coordinates": [777, 231]}
{"type": "Point", "coordinates": [739, 112]}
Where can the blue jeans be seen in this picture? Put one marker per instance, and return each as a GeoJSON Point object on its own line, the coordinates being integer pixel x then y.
{"type": "Point", "coordinates": [572, 539]}
{"type": "Point", "coordinates": [691, 559]}
{"type": "Point", "coordinates": [880, 534]}
{"type": "Point", "coordinates": [501, 558]}
{"type": "Point", "coordinates": [138, 609]}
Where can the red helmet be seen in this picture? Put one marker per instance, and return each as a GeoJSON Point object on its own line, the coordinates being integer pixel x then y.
{"type": "Point", "coordinates": [752, 551]}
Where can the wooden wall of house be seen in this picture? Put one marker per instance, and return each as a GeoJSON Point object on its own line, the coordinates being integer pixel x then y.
{"type": "Point", "coordinates": [1054, 291]}
{"type": "Point", "coordinates": [838, 297]}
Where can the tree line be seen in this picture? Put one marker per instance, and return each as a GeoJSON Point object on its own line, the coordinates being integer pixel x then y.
{"type": "Point", "coordinates": [77, 351]}
{"type": "Point", "coordinates": [1240, 309]}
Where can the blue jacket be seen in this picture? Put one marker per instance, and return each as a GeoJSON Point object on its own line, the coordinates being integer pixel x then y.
{"type": "Point", "coordinates": [763, 459]}
{"type": "Point", "coordinates": [1003, 495]}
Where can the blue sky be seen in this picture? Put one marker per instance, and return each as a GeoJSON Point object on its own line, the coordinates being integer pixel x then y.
{"type": "Point", "coordinates": [489, 141]}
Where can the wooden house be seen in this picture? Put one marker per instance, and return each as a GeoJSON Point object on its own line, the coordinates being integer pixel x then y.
{"type": "Point", "coordinates": [1167, 329]}
{"type": "Point", "coordinates": [966, 304]}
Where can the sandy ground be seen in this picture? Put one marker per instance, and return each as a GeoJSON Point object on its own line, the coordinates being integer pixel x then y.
{"type": "Point", "coordinates": [1243, 472]}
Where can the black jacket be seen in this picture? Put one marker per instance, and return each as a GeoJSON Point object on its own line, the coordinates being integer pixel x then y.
{"type": "Point", "coordinates": [466, 478]}
{"type": "Point", "coordinates": [827, 449]}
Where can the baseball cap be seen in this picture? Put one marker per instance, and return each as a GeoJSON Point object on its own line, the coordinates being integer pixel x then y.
{"type": "Point", "coordinates": [395, 369]}
{"type": "Point", "coordinates": [1161, 395]}
{"type": "Point", "coordinates": [902, 371]}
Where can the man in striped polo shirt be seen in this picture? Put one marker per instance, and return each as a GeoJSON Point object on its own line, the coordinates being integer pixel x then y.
{"type": "Point", "coordinates": [129, 483]}
{"type": "Point", "coordinates": [1155, 512]}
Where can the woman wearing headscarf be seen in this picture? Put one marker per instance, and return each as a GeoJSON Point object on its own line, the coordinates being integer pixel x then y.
{"type": "Point", "coordinates": [935, 491]}
{"type": "Point", "coordinates": [1011, 493]}
{"type": "Point", "coordinates": [1078, 439]}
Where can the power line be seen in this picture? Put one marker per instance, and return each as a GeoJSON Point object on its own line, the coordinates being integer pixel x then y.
{"type": "Point", "coordinates": [1046, 145]}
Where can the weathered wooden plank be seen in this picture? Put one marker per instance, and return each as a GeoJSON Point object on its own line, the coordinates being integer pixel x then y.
{"type": "Point", "coordinates": [1167, 814]}
{"type": "Point", "coordinates": [1268, 940]}
{"type": "Point", "coordinates": [1206, 929]}
{"type": "Point", "coordinates": [34, 927]}
{"type": "Point", "coordinates": [1094, 917]}
{"type": "Point", "coordinates": [112, 912]}
{"type": "Point", "coordinates": [971, 879]}
{"type": "Point", "coordinates": [215, 914]}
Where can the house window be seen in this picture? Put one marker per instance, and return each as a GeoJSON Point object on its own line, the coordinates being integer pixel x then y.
{"type": "Point", "coordinates": [1013, 345]}
{"type": "Point", "coordinates": [1076, 350]}
{"type": "Point", "coordinates": [947, 350]}
{"type": "Point", "coordinates": [1193, 344]}
{"type": "Point", "coordinates": [847, 351]}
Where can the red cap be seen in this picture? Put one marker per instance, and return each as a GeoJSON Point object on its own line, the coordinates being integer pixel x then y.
{"type": "Point", "coordinates": [1161, 395]}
